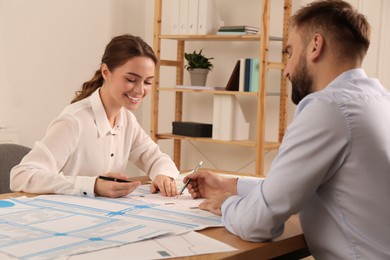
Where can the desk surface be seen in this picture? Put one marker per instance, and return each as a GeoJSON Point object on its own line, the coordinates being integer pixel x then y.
{"type": "Point", "coordinates": [291, 243]}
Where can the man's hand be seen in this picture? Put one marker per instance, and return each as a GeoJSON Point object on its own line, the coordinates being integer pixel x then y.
{"type": "Point", "coordinates": [214, 203]}
{"type": "Point", "coordinates": [204, 184]}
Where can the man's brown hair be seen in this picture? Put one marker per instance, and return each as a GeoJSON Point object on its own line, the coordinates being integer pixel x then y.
{"type": "Point", "coordinates": [338, 21]}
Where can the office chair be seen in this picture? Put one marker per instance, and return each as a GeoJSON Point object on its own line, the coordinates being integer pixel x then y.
{"type": "Point", "coordinates": [10, 155]}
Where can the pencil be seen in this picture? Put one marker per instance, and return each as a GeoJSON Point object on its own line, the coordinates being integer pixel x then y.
{"type": "Point", "coordinates": [189, 180]}
{"type": "Point", "coordinates": [112, 179]}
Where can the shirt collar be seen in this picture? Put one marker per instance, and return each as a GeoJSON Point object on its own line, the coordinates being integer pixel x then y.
{"type": "Point", "coordinates": [101, 120]}
{"type": "Point", "coordinates": [349, 74]}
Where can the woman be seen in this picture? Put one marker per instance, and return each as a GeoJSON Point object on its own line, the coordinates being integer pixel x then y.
{"type": "Point", "coordinates": [97, 134]}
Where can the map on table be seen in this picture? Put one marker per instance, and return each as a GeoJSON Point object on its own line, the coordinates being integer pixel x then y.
{"type": "Point", "coordinates": [50, 226]}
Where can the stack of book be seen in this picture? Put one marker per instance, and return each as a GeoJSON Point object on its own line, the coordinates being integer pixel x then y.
{"type": "Point", "coordinates": [238, 30]}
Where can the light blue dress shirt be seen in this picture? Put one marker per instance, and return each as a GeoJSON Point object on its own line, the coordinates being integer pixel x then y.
{"type": "Point", "coordinates": [333, 168]}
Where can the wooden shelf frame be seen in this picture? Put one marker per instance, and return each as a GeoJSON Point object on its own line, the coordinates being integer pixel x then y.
{"type": "Point", "coordinates": [259, 144]}
{"type": "Point", "coordinates": [216, 37]}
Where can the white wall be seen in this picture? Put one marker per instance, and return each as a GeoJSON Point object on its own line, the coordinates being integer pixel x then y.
{"type": "Point", "coordinates": [48, 48]}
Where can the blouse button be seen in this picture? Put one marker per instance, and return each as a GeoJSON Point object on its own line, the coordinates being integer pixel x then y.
{"type": "Point", "coordinates": [112, 155]}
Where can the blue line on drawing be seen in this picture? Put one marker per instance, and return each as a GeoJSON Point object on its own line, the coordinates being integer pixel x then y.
{"type": "Point", "coordinates": [124, 231]}
{"type": "Point", "coordinates": [60, 234]}
{"type": "Point", "coordinates": [102, 230]}
{"type": "Point", "coordinates": [6, 204]}
{"type": "Point", "coordinates": [75, 206]}
{"type": "Point", "coordinates": [213, 219]}
{"type": "Point", "coordinates": [166, 221]}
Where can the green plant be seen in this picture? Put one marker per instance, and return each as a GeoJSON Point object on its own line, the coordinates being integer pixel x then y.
{"type": "Point", "coordinates": [197, 61]}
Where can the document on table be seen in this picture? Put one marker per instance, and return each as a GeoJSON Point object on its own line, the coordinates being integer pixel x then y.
{"type": "Point", "coordinates": [187, 244]}
{"type": "Point", "coordinates": [52, 226]}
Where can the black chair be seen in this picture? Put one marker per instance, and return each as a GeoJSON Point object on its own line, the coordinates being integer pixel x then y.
{"type": "Point", "coordinates": [10, 155]}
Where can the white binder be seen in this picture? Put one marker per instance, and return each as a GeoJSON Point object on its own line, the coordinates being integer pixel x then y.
{"type": "Point", "coordinates": [208, 17]}
{"type": "Point", "coordinates": [183, 17]}
{"type": "Point", "coordinates": [193, 8]}
{"type": "Point", "coordinates": [174, 8]}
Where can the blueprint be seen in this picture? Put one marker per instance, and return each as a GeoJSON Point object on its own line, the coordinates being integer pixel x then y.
{"type": "Point", "coordinates": [53, 226]}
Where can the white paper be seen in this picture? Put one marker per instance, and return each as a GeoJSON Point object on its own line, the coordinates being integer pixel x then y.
{"type": "Point", "coordinates": [50, 226]}
{"type": "Point", "coordinates": [187, 244]}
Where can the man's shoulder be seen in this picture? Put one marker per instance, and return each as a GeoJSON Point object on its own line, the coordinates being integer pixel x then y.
{"type": "Point", "coordinates": [316, 98]}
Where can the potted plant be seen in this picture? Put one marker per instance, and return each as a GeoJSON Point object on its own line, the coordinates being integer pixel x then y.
{"type": "Point", "coordinates": [198, 67]}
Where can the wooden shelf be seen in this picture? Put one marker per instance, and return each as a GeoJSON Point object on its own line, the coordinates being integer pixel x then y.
{"type": "Point", "coordinates": [215, 37]}
{"type": "Point", "coordinates": [247, 143]}
{"type": "Point", "coordinates": [208, 91]}
{"type": "Point", "coordinates": [263, 39]}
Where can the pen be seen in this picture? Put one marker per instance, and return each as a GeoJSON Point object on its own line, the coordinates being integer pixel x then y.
{"type": "Point", "coordinates": [112, 179]}
{"type": "Point", "coordinates": [188, 181]}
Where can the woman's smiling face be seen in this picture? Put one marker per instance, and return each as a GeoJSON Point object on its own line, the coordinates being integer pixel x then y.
{"type": "Point", "coordinates": [129, 83]}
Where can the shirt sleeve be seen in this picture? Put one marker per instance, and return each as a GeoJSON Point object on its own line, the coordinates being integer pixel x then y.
{"type": "Point", "coordinates": [313, 148]}
{"type": "Point", "coordinates": [147, 156]}
{"type": "Point", "coordinates": [40, 169]}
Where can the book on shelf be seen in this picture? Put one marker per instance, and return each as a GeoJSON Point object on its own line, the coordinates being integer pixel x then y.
{"type": "Point", "coordinates": [238, 28]}
{"type": "Point", "coordinates": [248, 72]}
{"type": "Point", "coordinates": [251, 71]}
{"type": "Point", "coordinates": [242, 75]}
{"type": "Point", "coordinates": [234, 33]}
{"type": "Point", "coordinates": [234, 79]}
{"type": "Point", "coordinates": [245, 76]}
{"type": "Point", "coordinates": [254, 80]}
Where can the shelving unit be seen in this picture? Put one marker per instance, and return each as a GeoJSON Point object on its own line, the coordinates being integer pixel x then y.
{"type": "Point", "coordinates": [259, 144]}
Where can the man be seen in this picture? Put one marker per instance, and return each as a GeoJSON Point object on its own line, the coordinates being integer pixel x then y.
{"type": "Point", "coordinates": [333, 166]}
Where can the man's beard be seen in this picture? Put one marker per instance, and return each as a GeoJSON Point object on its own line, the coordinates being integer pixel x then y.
{"type": "Point", "coordinates": [302, 82]}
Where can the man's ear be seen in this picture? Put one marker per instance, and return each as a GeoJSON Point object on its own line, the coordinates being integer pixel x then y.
{"type": "Point", "coordinates": [105, 71]}
{"type": "Point", "coordinates": [316, 47]}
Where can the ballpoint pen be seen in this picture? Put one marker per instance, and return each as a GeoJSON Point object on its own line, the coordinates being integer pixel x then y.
{"type": "Point", "coordinates": [112, 179]}
{"type": "Point", "coordinates": [188, 181]}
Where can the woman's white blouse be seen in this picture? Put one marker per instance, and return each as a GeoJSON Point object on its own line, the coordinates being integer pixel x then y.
{"type": "Point", "coordinates": [80, 145]}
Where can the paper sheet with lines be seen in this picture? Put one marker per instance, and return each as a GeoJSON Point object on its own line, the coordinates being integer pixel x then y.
{"type": "Point", "coordinates": [50, 226]}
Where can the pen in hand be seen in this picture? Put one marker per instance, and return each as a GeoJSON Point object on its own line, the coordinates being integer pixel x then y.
{"type": "Point", "coordinates": [106, 178]}
{"type": "Point", "coordinates": [188, 181]}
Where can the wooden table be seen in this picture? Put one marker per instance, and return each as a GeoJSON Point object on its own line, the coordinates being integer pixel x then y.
{"type": "Point", "coordinates": [291, 245]}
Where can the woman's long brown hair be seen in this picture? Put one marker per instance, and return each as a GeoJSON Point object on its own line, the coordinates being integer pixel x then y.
{"type": "Point", "coordinates": [117, 52]}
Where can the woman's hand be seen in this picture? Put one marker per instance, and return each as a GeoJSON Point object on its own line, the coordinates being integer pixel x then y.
{"type": "Point", "coordinates": [166, 185]}
{"type": "Point", "coordinates": [114, 189]}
